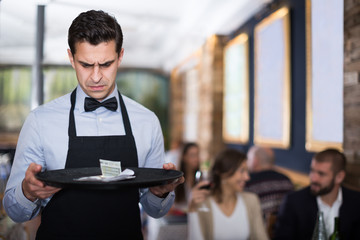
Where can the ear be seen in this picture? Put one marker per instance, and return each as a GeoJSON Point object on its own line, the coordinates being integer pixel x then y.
{"type": "Point", "coordinates": [340, 176]}
{"type": "Point", "coordinates": [120, 56]}
{"type": "Point", "coordinates": [71, 58]}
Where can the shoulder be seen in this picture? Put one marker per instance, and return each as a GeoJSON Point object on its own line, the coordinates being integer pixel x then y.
{"type": "Point", "coordinates": [268, 175]}
{"type": "Point", "coordinates": [59, 104]}
{"type": "Point", "coordinates": [252, 204]}
{"type": "Point", "coordinates": [350, 205]}
{"type": "Point", "coordinates": [248, 195]}
{"type": "Point", "coordinates": [249, 198]}
{"type": "Point", "coordinates": [348, 193]}
{"type": "Point", "coordinates": [280, 175]}
{"type": "Point", "coordinates": [300, 195]}
{"type": "Point", "coordinates": [54, 109]}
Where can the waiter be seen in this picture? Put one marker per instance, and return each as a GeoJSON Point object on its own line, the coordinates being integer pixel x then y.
{"type": "Point", "coordinates": [76, 130]}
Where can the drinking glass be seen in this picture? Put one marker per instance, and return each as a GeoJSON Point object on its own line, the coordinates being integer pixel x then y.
{"type": "Point", "coordinates": [202, 175]}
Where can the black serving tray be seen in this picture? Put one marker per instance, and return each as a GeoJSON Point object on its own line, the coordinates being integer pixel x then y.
{"type": "Point", "coordinates": [144, 177]}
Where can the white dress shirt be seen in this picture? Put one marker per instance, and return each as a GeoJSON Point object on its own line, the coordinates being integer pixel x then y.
{"type": "Point", "coordinates": [330, 212]}
{"type": "Point", "coordinates": [44, 140]}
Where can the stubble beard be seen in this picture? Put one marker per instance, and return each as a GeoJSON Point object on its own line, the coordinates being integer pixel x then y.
{"type": "Point", "coordinates": [323, 191]}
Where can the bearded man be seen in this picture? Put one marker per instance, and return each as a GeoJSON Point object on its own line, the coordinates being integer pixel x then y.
{"type": "Point", "coordinates": [298, 212]}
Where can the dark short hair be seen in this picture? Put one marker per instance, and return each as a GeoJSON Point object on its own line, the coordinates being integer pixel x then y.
{"type": "Point", "coordinates": [94, 27]}
{"type": "Point", "coordinates": [337, 159]}
{"type": "Point", "coordinates": [225, 164]}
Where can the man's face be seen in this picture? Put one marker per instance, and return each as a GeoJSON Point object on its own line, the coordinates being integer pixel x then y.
{"type": "Point", "coordinates": [96, 67]}
{"type": "Point", "coordinates": [322, 178]}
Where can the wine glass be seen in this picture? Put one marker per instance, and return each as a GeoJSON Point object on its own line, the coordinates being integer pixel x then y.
{"type": "Point", "coordinates": [202, 175]}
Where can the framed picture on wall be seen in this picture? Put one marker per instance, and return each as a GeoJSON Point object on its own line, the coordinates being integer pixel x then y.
{"type": "Point", "coordinates": [272, 101]}
{"type": "Point", "coordinates": [236, 90]}
{"type": "Point", "coordinates": [324, 75]}
{"type": "Point", "coordinates": [188, 101]}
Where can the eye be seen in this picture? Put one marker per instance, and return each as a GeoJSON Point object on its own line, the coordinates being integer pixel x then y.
{"type": "Point", "coordinates": [105, 65]}
{"type": "Point", "coordinates": [85, 65]}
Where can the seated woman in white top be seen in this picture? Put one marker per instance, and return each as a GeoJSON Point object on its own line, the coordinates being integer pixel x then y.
{"type": "Point", "coordinates": [229, 212]}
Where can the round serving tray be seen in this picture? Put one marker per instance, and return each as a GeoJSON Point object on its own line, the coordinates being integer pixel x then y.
{"type": "Point", "coordinates": [144, 177]}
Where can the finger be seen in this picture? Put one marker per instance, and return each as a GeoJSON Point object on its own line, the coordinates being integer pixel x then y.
{"type": "Point", "coordinates": [178, 181]}
{"type": "Point", "coordinates": [169, 166]}
{"type": "Point", "coordinates": [160, 190]}
{"type": "Point", "coordinates": [45, 192]}
{"type": "Point", "coordinates": [35, 168]}
{"type": "Point", "coordinates": [30, 177]}
{"type": "Point", "coordinates": [51, 189]}
{"type": "Point", "coordinates": [44, 195]}
{"type": "Point", "coordinates": [175, 181]}
{"type": "Point", "coordinates": [201, 184]}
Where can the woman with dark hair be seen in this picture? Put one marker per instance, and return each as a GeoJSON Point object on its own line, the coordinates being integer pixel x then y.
{"type": "Point", "coordinates": [189, 164]}
{"type": "Point", "coordinates": [231, 213]}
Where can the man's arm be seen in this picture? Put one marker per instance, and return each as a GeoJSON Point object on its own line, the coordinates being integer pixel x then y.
{"type": "Point", "coordinates": [21, 203]}
{"type": "Point", "coordinates": [285, 222]}
{"type": "Point", "coordinates": [158, 200]}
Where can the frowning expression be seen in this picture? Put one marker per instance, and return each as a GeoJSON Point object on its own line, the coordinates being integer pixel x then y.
{"type": "Point", "coordinates": [96, 67]}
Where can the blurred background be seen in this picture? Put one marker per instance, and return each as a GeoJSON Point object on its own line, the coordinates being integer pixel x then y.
{"type": "Point", "coordinates": [229, 73]}
{"type": "Point", "coordinates": [222, 73]}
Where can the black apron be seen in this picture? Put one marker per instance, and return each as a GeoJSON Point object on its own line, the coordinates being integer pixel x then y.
{"type": "Point", "coordinates": [94, 214]}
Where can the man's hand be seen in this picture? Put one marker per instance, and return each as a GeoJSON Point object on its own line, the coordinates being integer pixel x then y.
{"type": "Point", "coordinates": [34, 189]}
{"type": "Point", "coordinates": [163, 190]}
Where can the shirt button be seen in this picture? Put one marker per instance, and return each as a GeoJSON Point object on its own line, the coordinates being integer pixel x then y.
{"type": "Point", "coordinates": [100, 119]}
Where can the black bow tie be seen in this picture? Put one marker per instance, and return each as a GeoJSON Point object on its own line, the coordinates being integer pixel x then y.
{"type": "Point", "coordinates": [91, 104]}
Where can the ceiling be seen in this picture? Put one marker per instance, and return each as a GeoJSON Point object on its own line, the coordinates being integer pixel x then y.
{"type": "Point", "coordinates": [158, 34]}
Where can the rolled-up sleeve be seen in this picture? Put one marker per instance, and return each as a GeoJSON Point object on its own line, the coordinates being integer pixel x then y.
{"type": "Point", "coordinates": [16, 205]}
{"type": "Point", "coordinates": [154, 206]}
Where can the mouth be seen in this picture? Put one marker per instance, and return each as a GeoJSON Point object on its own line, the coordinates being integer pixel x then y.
{"type": "Point", "coordinates": [315, 186]}
{"type": "Point", "coordinates": [97, 88]}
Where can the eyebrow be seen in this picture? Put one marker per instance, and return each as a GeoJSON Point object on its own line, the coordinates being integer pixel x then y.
{"type": "Point", "coordinates": [100, 64]}
{"type": "Point", "coordinates": [317, 171]}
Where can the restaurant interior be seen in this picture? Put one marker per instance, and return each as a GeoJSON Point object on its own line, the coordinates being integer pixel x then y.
{"type": "Point", "coordinates": [283, 74]}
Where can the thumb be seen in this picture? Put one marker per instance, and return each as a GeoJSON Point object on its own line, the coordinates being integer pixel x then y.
{"type": "Point", "coordinates": [35, 168]}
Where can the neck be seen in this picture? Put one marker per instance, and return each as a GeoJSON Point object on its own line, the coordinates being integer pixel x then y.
{"type": "Point", "coordinates": [228, 195]}
{"type": "Point", "coordinates": [331, 197]}
{"type": "Point", "coordinates": [228, 203]}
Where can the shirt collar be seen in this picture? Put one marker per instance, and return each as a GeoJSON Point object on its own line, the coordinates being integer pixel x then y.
{"type": "Point", "coordinates": [337, 202]}
{"type": "Point", "coordinates": [81, 95]}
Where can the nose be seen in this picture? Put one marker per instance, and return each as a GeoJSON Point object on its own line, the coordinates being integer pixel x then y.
{"type": "Point", "coordinates": [96, 74]}
{"type": "Point", "coordinates": [246, 176]}
{"type": "Point", "coordinates": [313, 177]}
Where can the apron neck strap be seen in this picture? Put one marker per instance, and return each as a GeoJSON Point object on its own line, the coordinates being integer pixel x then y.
{"type": "Point", "coordinates": [124, 113]}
